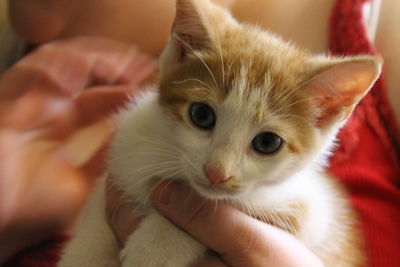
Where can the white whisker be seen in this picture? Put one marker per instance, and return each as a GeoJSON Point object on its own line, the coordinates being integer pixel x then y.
{"type": "Point", "coordinates": [202, 60]}
{"type": "Point", "coordinates": [193, 80]}
{"type": "Point", "coordinates": [222, 60]}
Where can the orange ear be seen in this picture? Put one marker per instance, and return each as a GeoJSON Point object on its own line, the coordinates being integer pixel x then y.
{"type": "Point", "coordinates": [189, 29]}
{"type": "Point", "coordinates": [339, 88]}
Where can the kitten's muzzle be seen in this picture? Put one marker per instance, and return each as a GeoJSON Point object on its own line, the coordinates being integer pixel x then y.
{"type": "Point", "coordinates": [215, 175]}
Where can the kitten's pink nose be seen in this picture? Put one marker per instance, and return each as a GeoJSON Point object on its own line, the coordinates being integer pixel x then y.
{"type": "Point", "coordinates": [215, 175]}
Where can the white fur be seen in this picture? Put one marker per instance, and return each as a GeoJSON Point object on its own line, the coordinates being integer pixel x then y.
{"type": "Point", "coordinates": [150, 146]}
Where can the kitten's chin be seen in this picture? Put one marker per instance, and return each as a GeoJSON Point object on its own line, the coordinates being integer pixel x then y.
{"type": "Point", "coordinates": [215, 191]}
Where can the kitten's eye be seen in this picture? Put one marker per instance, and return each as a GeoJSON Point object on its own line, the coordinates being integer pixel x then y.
{"type": "Point", "coordinates": [267, 143]}
{"type": "Point", "coordinates": [202, 115]}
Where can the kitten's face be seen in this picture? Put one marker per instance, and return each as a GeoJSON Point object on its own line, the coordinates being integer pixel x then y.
{"type": "Point", "coordinates": [247, 108]}
{"type": "Point", "coordinates": [237, 125]}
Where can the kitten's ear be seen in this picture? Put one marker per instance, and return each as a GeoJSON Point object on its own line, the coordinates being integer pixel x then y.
{"type": "Point", "coordinates": [189, 31]}
{"type": "Point", "coordinates": [189, 28]}
{"type": "Point", "coordinates": [337, 89]}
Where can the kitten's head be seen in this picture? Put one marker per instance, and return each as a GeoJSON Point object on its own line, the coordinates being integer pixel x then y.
{"type": "Point", "coordinates": [248, 108]}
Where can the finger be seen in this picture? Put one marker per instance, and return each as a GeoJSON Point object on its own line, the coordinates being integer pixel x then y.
{"type": "Point", "coordinates": [102, 61]}
{"type": "Point", "coordinates": [102, 101]}
{"type": "Point", "coordinates": [138, 70]}
{"type": "Point", "coordinates": [239, 239]}
{"type": "Point", "coordinates": [81, 146]}
{"type": "Point", "coordinates": [114, 62]}
{"type": "Point", "coordinates": [71, 65]}
{"type": "Point", "coordinates": [50, 69]}
{"type": "Point", "coordinates": [36, 109]}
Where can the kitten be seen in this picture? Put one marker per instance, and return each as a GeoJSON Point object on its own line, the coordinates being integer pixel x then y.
{"type": "Point", "coordinates": [242, 117]}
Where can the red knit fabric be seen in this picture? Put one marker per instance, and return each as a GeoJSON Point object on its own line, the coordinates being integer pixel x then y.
{"type": "Point", "coordinates": [367, 159]}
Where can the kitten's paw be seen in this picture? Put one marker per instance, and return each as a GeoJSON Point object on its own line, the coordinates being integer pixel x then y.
{"type": "Point", "coordinates": [88, 262]}
{"type": "Point", "coordinates": [155, 258]}
{"type": "Point", "coordinates": [159, 243]}
{"type": "Point", "coordinates": [149, 262]}
{"type": "Point", "coordinates": [132, 257]}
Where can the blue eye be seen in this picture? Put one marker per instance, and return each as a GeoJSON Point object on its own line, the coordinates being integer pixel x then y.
{"type": "Point", "coordinates": [202, 115]}
{"type": "Point", "coordinates": [267, 143]}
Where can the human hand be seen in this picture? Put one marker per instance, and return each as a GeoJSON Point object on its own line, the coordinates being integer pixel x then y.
{"type": "Point", "coordinates": [234, 238]}
{"type": "Point", "coordinates": [52, 131]}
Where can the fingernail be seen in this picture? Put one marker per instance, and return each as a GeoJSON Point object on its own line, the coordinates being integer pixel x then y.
{"type": "Point", "coordinates": [165, 191]}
